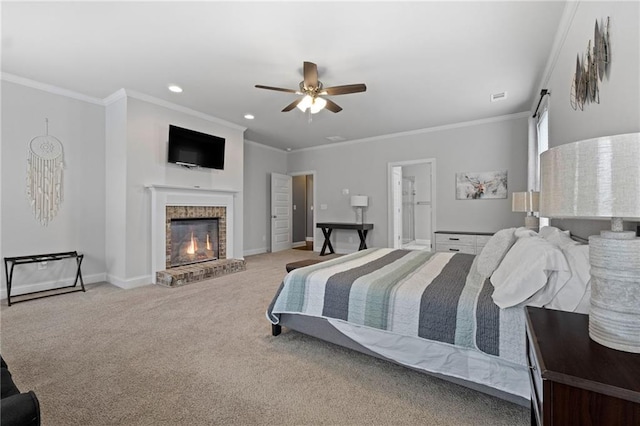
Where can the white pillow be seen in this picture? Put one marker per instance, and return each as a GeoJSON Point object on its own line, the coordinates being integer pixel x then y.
{"type": "Point", "coordinates": [574, 291]}
{"type": "Point", "coordinates": [494, 250]}
{"type": "Point", "coordinates": [546, 231]}
{"type": "Point", "coordinates": [525, 232]}
{"type": "Point", "coordinates": [525, 270]}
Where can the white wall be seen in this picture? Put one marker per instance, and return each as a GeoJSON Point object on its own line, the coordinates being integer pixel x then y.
{"type": "Point", "coordinates": [147, 130]}
{"type": "Point", "coordinates": [259, 162]}
{"type": "Point", "coordinates": [361, 167]}
{"type": "Point", "coordinates": [80, 222]}
{"type": "Point", "coordinates": [619, 108]}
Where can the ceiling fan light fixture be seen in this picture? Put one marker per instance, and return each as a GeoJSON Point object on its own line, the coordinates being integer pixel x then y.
{"type": "Point", "coordinates": [318, 105]}
{"type": "Point", "coordinates": [305, 103]}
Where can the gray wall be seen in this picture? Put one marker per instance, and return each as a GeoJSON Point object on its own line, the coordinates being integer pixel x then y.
{"type": "Point", "coordinates": [619, 109]}
{"type": "Point", "coordinates": [80, 222]}
{"type": "Point", "coordinates": [361, 167]}
{"type": "Point", "coordinates": [259, 162]}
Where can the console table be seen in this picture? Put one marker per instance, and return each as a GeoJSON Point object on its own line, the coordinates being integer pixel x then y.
{"type": "Point", "coordinates": [328, 227]}
{"type": "Point", "coordinates": [574, 380]}
{"type": "Point", "coordinates": [36, 258]}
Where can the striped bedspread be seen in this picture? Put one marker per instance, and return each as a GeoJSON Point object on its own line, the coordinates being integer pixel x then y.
{"type": "Point", "coordinates": [435, 296]}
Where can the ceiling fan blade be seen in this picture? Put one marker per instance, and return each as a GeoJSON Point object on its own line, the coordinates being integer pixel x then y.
{"type": "Point", "coordinates": [332, 106]}
{"type": "Point", "coordinates": [279, 89]}
{"type": "Point", "coordinates": [344, 90]}
{"type": "Point", "coordinates": [310, 74]}
{"type": "Point", "coordinates": [292, 105]}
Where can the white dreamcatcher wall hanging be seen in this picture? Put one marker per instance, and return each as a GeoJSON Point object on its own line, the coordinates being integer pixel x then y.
{"type": "Point", "coordinates": [45, 162]}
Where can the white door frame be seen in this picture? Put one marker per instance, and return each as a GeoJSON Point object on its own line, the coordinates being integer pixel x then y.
{"type": "Point", "coordinates": [390, 203]}
{"type": "Point", "coordinates": [315, 186]}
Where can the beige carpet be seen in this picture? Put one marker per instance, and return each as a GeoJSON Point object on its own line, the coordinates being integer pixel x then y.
{"type": "Point", "coordinates": [203, 354]}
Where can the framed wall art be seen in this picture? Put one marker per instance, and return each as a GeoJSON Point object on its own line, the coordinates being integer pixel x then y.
{"type": "Point", "coordinates": [481, 185]}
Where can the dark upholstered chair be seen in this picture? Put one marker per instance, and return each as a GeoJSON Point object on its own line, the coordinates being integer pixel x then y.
{"type": "Point", "coordinates": [17, 409]}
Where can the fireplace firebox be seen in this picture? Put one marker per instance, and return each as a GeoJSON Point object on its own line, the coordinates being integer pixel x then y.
{"type": "Point", "coordinates": [194, 240]}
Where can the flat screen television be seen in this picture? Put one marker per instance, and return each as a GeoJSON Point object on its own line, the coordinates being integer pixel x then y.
{"type": "Point", "coordinates": [194, 149]}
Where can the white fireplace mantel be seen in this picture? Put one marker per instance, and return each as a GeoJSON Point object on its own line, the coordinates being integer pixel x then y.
{"type": "Point", "coordinates": [169, 195]}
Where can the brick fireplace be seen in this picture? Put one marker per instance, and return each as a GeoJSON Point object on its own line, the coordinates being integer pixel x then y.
{"type": "Point", "coordinates": [198, 219]}
{"type": "Point", "coordinates": [174, 204]}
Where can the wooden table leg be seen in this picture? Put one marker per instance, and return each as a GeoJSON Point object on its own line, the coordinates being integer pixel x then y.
{"type": "Point", "coordinates": [327, 242]}
{"type": "Point", "coordinates": [363, 236]}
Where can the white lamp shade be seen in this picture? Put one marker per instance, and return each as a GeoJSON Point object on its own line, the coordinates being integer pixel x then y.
{"type": "Point", "coordinates": [592, 179]}
{"type": "Point", "coordinates": [525, 201]}
{"type": "Point", "coordinates": [305, 103]}
{"type": "Point", "coordinates": [359, 201]}
{"type": "Point", "coordinates": [314, 104]}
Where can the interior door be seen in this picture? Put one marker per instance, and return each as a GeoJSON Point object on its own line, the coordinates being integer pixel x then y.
{"type": "Point", "coordinates": [281, 212]}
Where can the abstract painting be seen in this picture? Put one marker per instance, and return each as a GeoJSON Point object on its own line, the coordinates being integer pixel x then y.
{"type": "Point", "coordinates": [481, 185]}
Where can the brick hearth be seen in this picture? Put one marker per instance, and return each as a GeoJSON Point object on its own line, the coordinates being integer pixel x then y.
{"type": "Point", "coordinates": [187, 274]}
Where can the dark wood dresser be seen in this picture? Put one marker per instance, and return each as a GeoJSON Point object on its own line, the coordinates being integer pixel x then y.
{"type": "Point", "coordinates": [574, 380]}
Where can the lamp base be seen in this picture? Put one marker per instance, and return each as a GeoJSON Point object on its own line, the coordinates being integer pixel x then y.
{"type": "Point", "coordinates": [614, 320]}
{"type": "Point", "coordinates": [359, 215]}
{"type": "Point", "coordinates": [532, 222]}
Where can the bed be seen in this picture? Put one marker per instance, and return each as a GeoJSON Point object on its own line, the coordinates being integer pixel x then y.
{"type": "Point", "coordinates": [456, 316]}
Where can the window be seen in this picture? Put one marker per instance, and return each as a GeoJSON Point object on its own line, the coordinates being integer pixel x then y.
{"type": "Point", "coordinates": [541, 142]}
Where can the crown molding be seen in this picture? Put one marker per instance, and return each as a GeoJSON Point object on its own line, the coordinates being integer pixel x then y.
{"type": "Point", "coordinates": [515, 116]}
{"type": "Point", "coordinates": [170, 105]}
{"type": "Point", "coordinates": [261, 145]}
{"type": "Point", "coordinates": [114, 97]}
{"type": "Point", "coordinates": [50, 88]}
{"type": "Point", "coordinates": [121, 93]}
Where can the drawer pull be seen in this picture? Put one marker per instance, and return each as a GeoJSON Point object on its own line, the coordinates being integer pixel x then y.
{"type": "Point", "coordinates": [454, 239]}
{"type": "Point", "coordinates": [453, 249]}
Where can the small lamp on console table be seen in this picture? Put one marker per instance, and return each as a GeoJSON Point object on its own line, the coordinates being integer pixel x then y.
{"type": "Point", "coordinates": [600, 179]}
{"type": "Point", "coordinates": [527, 202]}
{"type": "Point", "coordinates": [359, 202]}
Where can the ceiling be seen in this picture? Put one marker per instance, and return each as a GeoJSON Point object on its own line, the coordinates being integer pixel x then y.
{"type": "Point", "coordinates": [425, 64]}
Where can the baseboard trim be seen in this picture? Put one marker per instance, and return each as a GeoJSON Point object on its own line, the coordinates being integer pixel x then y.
{"type": "Point", "coordinates": [309, 239]}
{"type": "Point", "coordinates": [130, 283]}
{"type": "Point", "coordinates": [299, 244]}
{"type": "Point", "coordinates": [17, 290]}
{"type": "Point", "coordinates": [255, 251]}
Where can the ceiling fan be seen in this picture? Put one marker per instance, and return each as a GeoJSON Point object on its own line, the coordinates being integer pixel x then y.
{"type": "Point", "coordinates": [312, 90]}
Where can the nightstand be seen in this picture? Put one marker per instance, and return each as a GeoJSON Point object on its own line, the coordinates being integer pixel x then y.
{"type": "Point", "coordinates": [574, 380]}
{"type": "Point", "coordinates": [461, 242]}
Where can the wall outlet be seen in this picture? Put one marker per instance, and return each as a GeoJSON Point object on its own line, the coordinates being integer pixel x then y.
{"type": "Point", "coordinates": [294, 207]}
{"type": "Point", "coordinates": [345, 191]}
{"type": "Point", "coordinates": [323, 206]}
{"type": "Point", "coordinates": [42, 265]}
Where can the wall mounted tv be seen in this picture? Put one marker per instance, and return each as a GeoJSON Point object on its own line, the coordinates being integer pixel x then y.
{"type": "Point", "coordinates": [194, 149]}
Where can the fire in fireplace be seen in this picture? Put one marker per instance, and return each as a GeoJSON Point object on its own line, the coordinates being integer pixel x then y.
{"type": "Point", "coordinates": [194, 240]}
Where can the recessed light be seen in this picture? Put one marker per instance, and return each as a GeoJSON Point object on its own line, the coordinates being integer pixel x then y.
{"type": "Point", "coordinates": [175, 89]}
{"type": "Point", "coordinates": [249, 116]}
{"type": "Point", "coordinates": [288, 149]}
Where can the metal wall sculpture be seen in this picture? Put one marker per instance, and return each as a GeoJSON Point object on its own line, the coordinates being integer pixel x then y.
{"type": "Point", "coordinates": [590, 71]}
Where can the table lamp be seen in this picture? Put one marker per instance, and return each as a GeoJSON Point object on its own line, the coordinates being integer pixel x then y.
{"type": "Point", "coordinates": [600, 179]}
{"type": "Point", "coordinates": [359, 202]}
{"type": "Point", "coordinates": [527, 202]}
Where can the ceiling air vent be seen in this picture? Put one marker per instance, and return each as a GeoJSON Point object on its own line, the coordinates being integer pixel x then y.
{"type": "Point", "coordinates": [498, 96]}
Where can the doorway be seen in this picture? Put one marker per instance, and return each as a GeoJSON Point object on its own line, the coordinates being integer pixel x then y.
{"type": "Point", "coordinates": [303, 211]}
{"type": "Point", "coordinates": [411, 204]}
